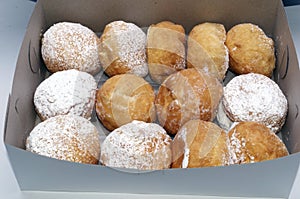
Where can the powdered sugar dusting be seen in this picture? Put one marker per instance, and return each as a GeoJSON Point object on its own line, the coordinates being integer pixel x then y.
{"type": "Point", "coordinates": [68, 45]}
{"type": "Point", "coordinates": [186, 156]}
{"type": "Point", "coordinates": [127, 42]}
{"type": "Point", "coordinates": [66, 92]}
{"type": "Point", "coordinates": [66, 137]}
{"type": "Point", "coordinates": [236, 156]}
{"type": "Point", "coordinates": [182, 134]}
{"type": "Point", "coordinates": [137, 145]}
{"type": "Point", "coordinates": [226, 61]}
{"type": "Point", "coordinates": [255, 97]}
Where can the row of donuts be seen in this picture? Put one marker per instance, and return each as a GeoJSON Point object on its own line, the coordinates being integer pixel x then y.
{"type": "Point", "coordinates": [140, 145]}
{"type": "Point", "coordinates": [147, 146]}
{"type": "Point", "coordinates": [185, 95]}
{"type": "Point", "coordinates": [124, 48]}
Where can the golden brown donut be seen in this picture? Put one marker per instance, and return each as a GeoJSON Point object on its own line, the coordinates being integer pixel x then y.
{"type": "Point", "coordinates": [199, 144]}
{"type": "Point", "coordinates": [207, 50]}
{"type": "Point", "coordinates": [185, 95]}
{"type": "Point", "coordinates": [253, 142]}
{"type": "Point", "coordinates": [124, 98]}
{"type": "Point", "coordinates": [123, 49]}
{"type": "Point", "coordinates": [250, 50]}
{"type": "Point", "coordinates": [165, 50]}
{"type": "Point", "coordinates": [66, 137]}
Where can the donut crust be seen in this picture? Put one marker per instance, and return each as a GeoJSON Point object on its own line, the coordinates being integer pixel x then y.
{"type": "Point", "coordinates": [250, 50]}
{"type": "Point", "coordinates": [124, 98]}
{"type": "Point", "coordinates": [254, 142]}
{"type": "Point", "coordinates": [185, 95]}
{"type": "Point", "coordinates": [199, 144]}
{"type": "Point", "coordinates": [165, 50]}
{"type": "Point", "coordinates": [207, 50]}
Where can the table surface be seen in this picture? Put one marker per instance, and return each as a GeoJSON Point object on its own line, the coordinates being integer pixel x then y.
{"type": "Point", "coordinates": [12, 30]}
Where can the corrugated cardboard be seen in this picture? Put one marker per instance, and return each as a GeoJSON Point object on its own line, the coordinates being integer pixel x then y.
{"type": "Point", "coordinates": [266, 179]}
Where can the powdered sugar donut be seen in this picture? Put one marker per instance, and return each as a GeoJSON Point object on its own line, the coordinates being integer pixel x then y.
{"type": "Point", "coordinates": [255, 97]}
{"type": "Point", "coordinates": [68, 45]}
{"type": "Point", "coordinates": [66, 137]}
{"type": "Point", "coordinates": [137, 145]}
{"type": "Point", "coordinates": [123, 49]}
{"type": "Point", "coordinates": [66, 92]}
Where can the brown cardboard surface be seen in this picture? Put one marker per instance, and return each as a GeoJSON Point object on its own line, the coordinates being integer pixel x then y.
{"type": "Point", "coordinates": [267, 179]}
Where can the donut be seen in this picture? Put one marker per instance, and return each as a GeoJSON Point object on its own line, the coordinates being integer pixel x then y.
{"type": "Point", "coordinates": [66, 137]}
{"type": "Point", "coordinates": [137, 145]}
{"type": "Point", "coordinates": [255, 97]}
{"type": "Point", "coordinates": [250, 50]}
{"type": "Point", "coordinates": [252, 142]}
{"type": "Point", "coordinates": [165, 50]}
{"type": "Point", "coordinates": [124, 98]}
{"type": "Point", "coordinates": [123, 49]}
{"type": "Point", "coordinates": [200, 143]}
{"type": "Point", "coordinates": [185, 95]}
{"type": "Point", "coordinates": [67, 45]}
{"type": "Point", "coordinates": [207, 50]}
{"type": "Point", "coordinates": [66, 92]}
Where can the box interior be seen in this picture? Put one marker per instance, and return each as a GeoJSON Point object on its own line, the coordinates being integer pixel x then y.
{"type": "Point", "coordinates": [95, 14]}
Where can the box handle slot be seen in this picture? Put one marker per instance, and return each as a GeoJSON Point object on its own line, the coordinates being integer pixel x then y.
{"type": "Point", "coordinates": [284, 64]}
{"type": "Point", "coordinates": [297, 111]}
{"type": "Point", "coordinates": [35, 69]}
{"type": "Point", "coordinates": [16, 105]}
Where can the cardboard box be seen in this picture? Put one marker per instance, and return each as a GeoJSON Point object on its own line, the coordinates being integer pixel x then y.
{"type": "Point", "coordinates": [34, 172]}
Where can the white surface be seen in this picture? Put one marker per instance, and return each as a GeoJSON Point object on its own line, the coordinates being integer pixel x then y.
{"type": "Point", "coordinates": [14, 16]}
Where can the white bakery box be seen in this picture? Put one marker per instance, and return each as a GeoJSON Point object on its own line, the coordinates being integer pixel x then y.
{"type": "Point", "coordinates": [265, 179]}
